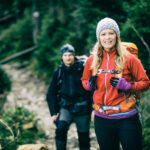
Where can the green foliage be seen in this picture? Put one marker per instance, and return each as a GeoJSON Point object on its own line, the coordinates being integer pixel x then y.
{"type": "Point", "coordinates": [71, 22]}
{"type": "Point", "coordinates": [5, 82]}
{"type": "Point", "coordinates": [47, 57]}
{"type": "Point", "coordinates": [145, 111]}
{"type": "Point", "coordinates": [13, 135]}
{"type": "Point", "coordinates": [16, 38]}
{"type": "Point", "coordinates": [11, 11]}
{"type": "Point", "coordinates": [138, 19]}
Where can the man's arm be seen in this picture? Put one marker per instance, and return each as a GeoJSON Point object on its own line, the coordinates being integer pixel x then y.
{"type": "Point", "coordinates": [51, 96]}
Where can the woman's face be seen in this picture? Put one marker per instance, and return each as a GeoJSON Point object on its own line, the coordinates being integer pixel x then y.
{"type": "Point", "coordinates": [108, 39]}
{"type": "Point", "coordinates": [68, 58]}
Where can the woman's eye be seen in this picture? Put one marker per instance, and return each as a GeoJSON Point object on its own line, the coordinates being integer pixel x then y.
{"type": "Point", "coordinates": [102, 34]}
{"type": "Point", "coordinates": [111, 33]}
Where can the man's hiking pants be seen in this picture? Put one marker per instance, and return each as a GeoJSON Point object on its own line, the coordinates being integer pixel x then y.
{"type": "Point", "coordinates": [62, 126]}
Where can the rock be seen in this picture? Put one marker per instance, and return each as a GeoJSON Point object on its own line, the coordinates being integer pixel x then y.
{"type": "Point", "coordinates": [28, 125]}
{"type": "Point", "coordinates": [33, 147]}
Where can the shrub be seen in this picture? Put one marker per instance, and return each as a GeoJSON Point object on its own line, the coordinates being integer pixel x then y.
{"type": "Point", "coordinates": [17, 37]}
{"type": "Point", "coordinates": [15, 128]}
{"type": "Point", "coordinates": [5, 82]}
{"type": "Point", "coordinates": [145, 111]}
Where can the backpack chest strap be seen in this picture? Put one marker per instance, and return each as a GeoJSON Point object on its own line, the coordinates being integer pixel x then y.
{"type": "Point", "coordinates": [108, 71]}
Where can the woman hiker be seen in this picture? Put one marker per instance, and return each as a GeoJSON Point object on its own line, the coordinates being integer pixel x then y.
{"type": "Point", "coordinates": [116, 75]}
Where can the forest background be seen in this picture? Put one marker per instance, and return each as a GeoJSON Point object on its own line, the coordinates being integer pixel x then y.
{"type": "Point", "coordinates": [48, 24]}
{"type": "Point", "coordinates": [51, 23]}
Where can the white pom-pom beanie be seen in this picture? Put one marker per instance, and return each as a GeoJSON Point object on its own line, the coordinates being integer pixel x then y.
{"type": "Point", "coordinates": [107, 23]}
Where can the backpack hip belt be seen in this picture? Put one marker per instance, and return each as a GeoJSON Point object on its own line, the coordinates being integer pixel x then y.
{"type": "Point", "coordinates": [126, 105]}
{"type": "Point", "coordinates": [65, 102]}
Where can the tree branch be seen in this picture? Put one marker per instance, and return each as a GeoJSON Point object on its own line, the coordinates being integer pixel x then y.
{"type": "Point", "coordinates": [8, 16]}
{"type": "Point", "coordinates": [18, 54]}
{"type": "Point", "coordinates": [141, 38]}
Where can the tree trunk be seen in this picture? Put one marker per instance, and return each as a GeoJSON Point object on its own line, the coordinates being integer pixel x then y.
{"type": "Point", "coordinates": [36, 20]}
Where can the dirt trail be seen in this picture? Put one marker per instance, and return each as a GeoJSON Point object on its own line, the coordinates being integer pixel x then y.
{"type": "Point", "coordinates": [28, 91]}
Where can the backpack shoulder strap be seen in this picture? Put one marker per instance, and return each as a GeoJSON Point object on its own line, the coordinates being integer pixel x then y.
{"type": "Point", "coordinates": [59, 79]}
{"type": "Point", "coordinates": [82, 59]}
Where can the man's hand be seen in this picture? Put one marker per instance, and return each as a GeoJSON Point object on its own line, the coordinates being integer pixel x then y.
{"type": "Point", "coordinates": [54, 118]}
{"type": "Point", "coordinates": [92, 116]}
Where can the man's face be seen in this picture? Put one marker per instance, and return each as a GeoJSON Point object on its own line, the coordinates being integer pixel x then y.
{"type": "Point", "coordinates": [68, 58]}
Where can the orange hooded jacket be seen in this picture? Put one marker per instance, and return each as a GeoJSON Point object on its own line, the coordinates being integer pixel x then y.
{"type": "Point", "coordinates": [105, 94]}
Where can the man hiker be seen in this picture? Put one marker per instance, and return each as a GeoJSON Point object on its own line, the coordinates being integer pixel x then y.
{"type": "Point", "coordinates": [68, 101]}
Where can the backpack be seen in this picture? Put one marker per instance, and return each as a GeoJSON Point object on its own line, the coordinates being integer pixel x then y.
{"type": "Point", "coordinates": [132, 48]}
{"type": "Point", "coordinates": [82, 59]}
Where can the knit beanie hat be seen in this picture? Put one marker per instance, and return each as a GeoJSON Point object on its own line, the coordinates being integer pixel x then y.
{"type": "Point", "coordinates": [67, 48]}
{"type": "Point", "coordinates": [107, 23]}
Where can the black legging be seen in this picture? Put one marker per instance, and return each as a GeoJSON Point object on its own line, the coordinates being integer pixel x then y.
{"type": "Point", "coordinates": [110, 132]}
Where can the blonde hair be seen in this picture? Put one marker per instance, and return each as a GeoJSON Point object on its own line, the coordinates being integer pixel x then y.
{"type": "Point", "coordinates": [119, 59]}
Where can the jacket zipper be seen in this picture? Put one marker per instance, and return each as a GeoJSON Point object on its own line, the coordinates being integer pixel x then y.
{"type": "Point", "coordinates": [106, 78]}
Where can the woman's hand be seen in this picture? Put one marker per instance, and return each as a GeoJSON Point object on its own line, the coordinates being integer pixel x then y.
{"type": "Point", "coordinates": [120, 83]}
{"type": "Point", "coordinates": [91, 83]}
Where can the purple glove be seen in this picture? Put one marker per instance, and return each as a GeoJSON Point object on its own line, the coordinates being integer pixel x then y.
{"type": "Point", "coordinates": [120, 84]}
{"type": "Point", "coordinates": [88, 87]}
{"type": "Point", "coordinates": [91, 83]}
